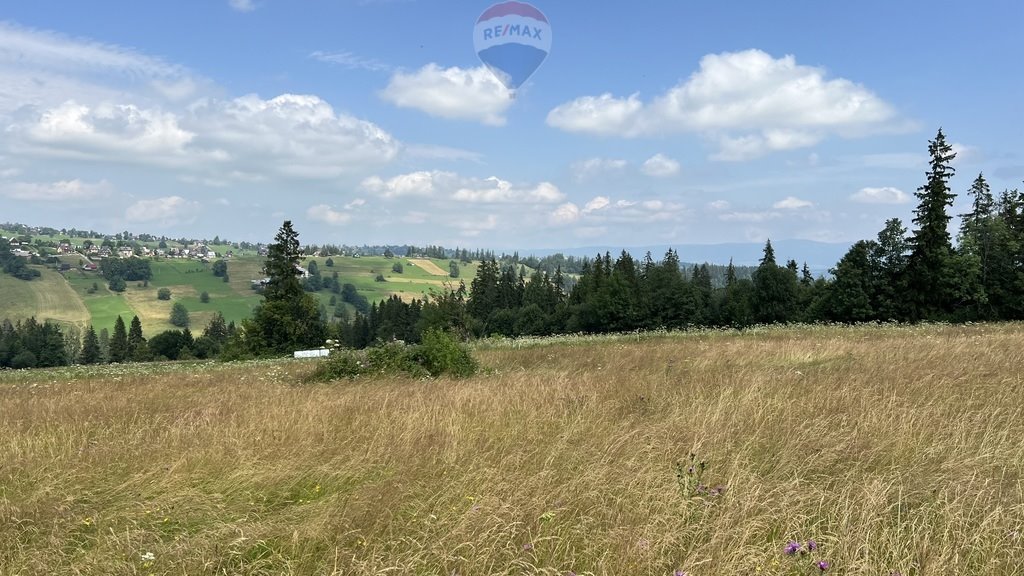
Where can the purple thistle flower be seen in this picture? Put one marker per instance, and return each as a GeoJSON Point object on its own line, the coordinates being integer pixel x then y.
{"type": "Point", "coordinates": [792, 547]}
{"type": "Point", "coordinates": [527, 547]}
{"type": "Point", "coordinates": [823, 565]}
{"type": "Point", "coordinates": [679, 573]}
{"type": "Point", "coordinates": [812, 545]}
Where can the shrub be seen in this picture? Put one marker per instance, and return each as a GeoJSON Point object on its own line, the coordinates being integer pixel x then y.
{"type": "Point", "coordinates": [163, 294]}
{"type": "Point", "coordinates": [204, 297]}
{"type": "Point", "coordinates": [440, 353]}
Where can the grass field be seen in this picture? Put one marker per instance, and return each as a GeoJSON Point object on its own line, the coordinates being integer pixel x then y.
{"type": "Point", "coordinates": [897, 449]}
{"type": "Point", "coordinates": [70, 301]}
{"type": "Point", "coordinates": [47, 298]}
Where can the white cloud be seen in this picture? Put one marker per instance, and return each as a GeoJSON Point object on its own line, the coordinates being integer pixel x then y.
{"type": "Point", "coordinates": [326, 214]}
{"type": "Point", "coordinates": [242, 5]}
{"type": "Point", "coordinates": [164, 211]}
{"type": "Point", "coordinates": [122, 131]}
{"type": "Point", "coordinates": [453, 93]}
{"type": "Point", "coordinates": [61, 191]}
{"type": "Point", "coordinates": [356, 203]}
{"type": "Point", "coordinates": [884, 195]}
{"type": "Point", "coordinates": [660, 166]}
{"type": "Point", "coordinates": [593, 167]}
{"type": "Point", "coordinates": [295, 135]}
{"type": "Point", "coordinates": [792, 203]}
{"type": "Point", "coordinates": [497, 191]}
{"type": "Point", "coordinates": [567, 213]}
{"type": "Point", "coordinates": [413, 184]}
{"type": "Point", "coordinates": [351, 61]}
{"type": "Point", "coordinates": [719, 205]}
{"type": "Point", "coordinates": [598, 203]}
{"type": "Point", "coordinates": [748, 101]}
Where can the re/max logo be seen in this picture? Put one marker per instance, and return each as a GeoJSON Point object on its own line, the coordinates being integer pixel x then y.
{"type": "Point", "coordinates": [512, 30]}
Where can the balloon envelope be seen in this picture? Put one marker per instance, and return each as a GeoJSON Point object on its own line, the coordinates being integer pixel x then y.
{"type": "Point", "coordinates": [512, 39]}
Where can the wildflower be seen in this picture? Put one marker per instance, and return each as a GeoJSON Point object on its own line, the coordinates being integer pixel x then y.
{"type": "Point", "coordinates": [527, 547]}
{"type": "Point", "coordinates": [792, 547]}
{"type": "Point", "coordinates": [812, 545]}
{"type": "Point", "coordinates": [679, 573]}
{"type": "Point", "coordinates": [148, 557]}
{"type": "Point", "coordinates": [823, 565]}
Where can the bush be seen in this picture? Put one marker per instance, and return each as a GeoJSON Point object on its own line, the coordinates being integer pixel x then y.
{"type": "Point", "coordinates": [204, 297]}
{"type": "Point", "coordinates": [163, 294]}
{"type": "Point", "coordinates": [24, 359]}
{"type": "Point", "coordinates": [440, 353]}
{"type": "Point", "coordinates": [118, 284]}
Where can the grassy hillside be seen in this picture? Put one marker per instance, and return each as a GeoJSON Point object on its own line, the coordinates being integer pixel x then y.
{"type": "Point", "coordinates": [897, 449]}
{"type": "Point", "coordinates": [69, 297]}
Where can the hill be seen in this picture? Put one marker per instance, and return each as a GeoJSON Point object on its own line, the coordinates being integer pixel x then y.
{"type": "Point", "coordinates": [79, 297]}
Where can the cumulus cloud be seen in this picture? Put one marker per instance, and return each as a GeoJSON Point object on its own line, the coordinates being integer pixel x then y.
{"type": "Point", "coordinates": [883, 195]}
{"type": "Point", "coordinates": [792, 203]}
{"type": "Point", "coordinates": [598, 203]}
{"type": "Point", "coordinates": [165, 211]}
{"type": "Point", "coordinates": [414, 184]}
{"type": "Point", "coordinates": [567, 213]}
{"type": "Point", "coordinates": [123, 131]}
{"type": "Point", "coordinates": [298, 136]}
{"type": "Point", "coordinates": [453, 93]}
{"type": "Point", "coordinates": [660, 166]}
{"type": "Point", "coordinates": [451, 186]}
{"type": "Point", "coordinates": [326, 214]}
{"type": "Point", "coordinates": [719, 205]}
{"type": "Point", "coordinates": [750, 102]}
{"type": "Point", "coordinates": [60, 191]}
{"type": "Point", "coordinates": [497, 191]}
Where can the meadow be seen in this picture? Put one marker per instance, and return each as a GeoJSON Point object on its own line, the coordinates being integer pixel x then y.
{"type": "Point", "coordinates": [898, 450]}
{"type": "Point", "coordinates": [68, 297]}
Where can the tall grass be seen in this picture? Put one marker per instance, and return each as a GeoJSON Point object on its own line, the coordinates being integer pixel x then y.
{"type": "Point", "coordinates": [897, 450]}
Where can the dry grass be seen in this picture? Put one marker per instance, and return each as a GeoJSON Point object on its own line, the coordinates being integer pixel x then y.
{"type": "Point", "coordinates": [897, 449]}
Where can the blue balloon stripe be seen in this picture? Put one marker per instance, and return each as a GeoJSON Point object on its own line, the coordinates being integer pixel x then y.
{"type": "Point", "coordinates": [513, 63]}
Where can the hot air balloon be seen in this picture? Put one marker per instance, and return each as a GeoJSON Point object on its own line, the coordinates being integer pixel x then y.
{"type": "Point", "coordinates": [512, 39]}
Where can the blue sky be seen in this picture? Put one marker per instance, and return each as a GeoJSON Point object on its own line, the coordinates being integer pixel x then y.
{"type": "Point", "coordinates": [374, 121]}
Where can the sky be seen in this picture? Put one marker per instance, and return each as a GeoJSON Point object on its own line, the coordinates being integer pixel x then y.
{"type": "Point", "coordinates": [374, 121]}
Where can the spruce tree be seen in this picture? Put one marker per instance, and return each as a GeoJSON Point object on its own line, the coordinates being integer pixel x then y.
{"type": "Point", "coordinates": [90, 348]}
{"type": "Point", "coordinates": [137, 349]}
{"type": "Point", "coordinates": [288, 318]}
{"type": "Point", "coordinates": [930, 272]}
{"type": "Point", "coordinates": [119, 342]}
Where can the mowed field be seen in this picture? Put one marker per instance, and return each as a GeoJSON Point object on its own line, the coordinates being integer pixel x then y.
{"type": "Point", "coordinates": [899, 450]}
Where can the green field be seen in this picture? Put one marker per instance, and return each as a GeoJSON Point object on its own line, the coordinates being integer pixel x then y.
{"type": "Point", "coordinates": [68, 298]}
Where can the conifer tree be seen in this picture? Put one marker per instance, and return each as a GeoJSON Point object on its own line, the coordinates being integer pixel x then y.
{"type": "Point", "coordinates": [119, 342]}
{"type": "Point", "coordinates": [931, 273]}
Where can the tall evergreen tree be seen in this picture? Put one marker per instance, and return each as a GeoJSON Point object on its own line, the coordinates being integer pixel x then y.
{"type": "Point", "coordinates": [119, 342]}
{"type": "Point", "coordinates": [90, 348]}
{"type": "Point", "coordinates": [774, 289]}
{"type": "Point", "coordinates": [137, 350]}
{"type": "Point", "coordinates": [931, 273]}
{"type": "Point", "coordinates": [288, 318]}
